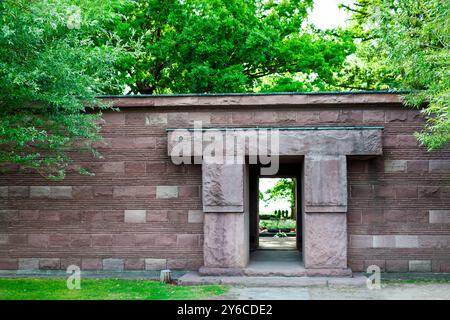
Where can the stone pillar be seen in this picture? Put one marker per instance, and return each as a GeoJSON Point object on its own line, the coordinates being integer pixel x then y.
{"type": "Point", "coordinates": [226, 221]}
{"type": "Point", "coordinates": [325, 208]}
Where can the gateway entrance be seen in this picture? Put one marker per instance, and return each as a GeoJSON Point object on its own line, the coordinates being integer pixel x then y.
{"type": "Point", "coordinates": [276, 222]}
{"type": "Point", "coordinates": [230, 232]}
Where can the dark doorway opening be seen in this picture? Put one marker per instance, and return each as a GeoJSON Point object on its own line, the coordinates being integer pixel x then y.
{"type": "Point", "coordinates": [277, 213]}
{"type": "Point", "coordinates": [259, 217]}
{"type": "Point", "coordinates": [276, 238]}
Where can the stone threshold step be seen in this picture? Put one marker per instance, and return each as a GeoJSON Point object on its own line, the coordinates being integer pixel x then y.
{"type": "Point", "coordinates": [194, 278]}
{"type": "Point", "coordinates": [275, 270]}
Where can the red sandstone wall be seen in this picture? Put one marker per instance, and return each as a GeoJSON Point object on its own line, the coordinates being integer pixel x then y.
{"type": "Point", "coordinates": [85, 220]}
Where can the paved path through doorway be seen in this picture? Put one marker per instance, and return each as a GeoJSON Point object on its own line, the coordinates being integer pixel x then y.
{"type": "Point", "coordinates": [272, 243]}
{"type": "Point", "coordinates": [275, 263]}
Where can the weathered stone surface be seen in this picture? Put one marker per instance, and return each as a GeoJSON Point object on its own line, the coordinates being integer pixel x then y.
{"type": "Point", "coordinates": [325, 240]}
{"type": "Point", "coordinates": [438, 242]}
{"type": "Point", "coordinates": [405, 241]}
{"type": "Point", "coordinates": [102, 240]}
{"type": "Point", "coordinates": [195, 216]}
{"type": "Point", "coordinates": [134, 264]}
{"type": "Point", "coordinates": [371, 116]}
{"type": "Point", "coordinates": [61, 192]}
{"type": "Point", "coordinates": [329, 272]}
{"type": "Point", "coordinates": [155, 119]}
{"type": "Point", "coordinates": [259, 100]}
{"type": "Point", "coordinates": [204, 118]}
{"type": "Point", "coordinates": [113, 118]}
{"type": "Point", "coordinates": [3, 192]}
{"type": "Point", "coordinates": [133, 192]}
{"type": "Point", "coordinates": [439, 165]}
{"type": "Point", "coordinates": [189, 192]}
{"type": "Point", "coordinates": [49, 264]}
{"type": "Point", "coordinates": [177, 119]}
{"type": "Point", "coordinates": [384, 241]}
{"type": "Point", "coordinates": [155, 264]}
{"type": "Point", "coordinates": [39, 191]}
{"type": "Point", "coordinates": [135, 216]}
{"type": "Point", "coordinates": [38, 240]}
{"type": "Point", "coordinates": [361, 241]}
{"type": "Point", "coordinates": [113, 167]}
{"type": "Point", "coordinates": [226, 240]}
{"type": "Point", "coordinates": [223, 187]}
{"type": "Point", "coordinates": [393, 166]}
{"type": "Point", "coordinates": [397, 265]}
{"type": "Point", "coordinates": [82, 192]}
{"type": "Point", "coordinates": [439, 216]}
{"type": "Point", "coordinates": [113, 264]}
{"type": "Point", "coordinates": [325, 183]}
{"type": "Point", "coordinates": [157, 215]}
{"type": "Point", "coordinates": [144, 142]}
{"type": "Point", "coordinates": [420, 266]}
{"type": "Point", "coordinates": [166, 192]}
{"type": "Point", "coordinates": [9, 215]}
{"type": "Point", "coordinates": [3, 239]}
{"type": "Point", "coordinates": [18, 192]}
{"type": "Point", "coordinates": [135, 168]}
{"type": "Point", "coordinates": [8, 264]}
{"type": "Point", "coordinates": [188, 240]}
{"type": "Point", "coordinates": [91, 264]}
{"type": "Point", "coordinates": [291, 142]}
{"type": "Point", "coordinates": [28, 264]}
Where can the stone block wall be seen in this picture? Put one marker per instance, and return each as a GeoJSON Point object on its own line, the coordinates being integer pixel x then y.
{"type": "Point", "coordinates": [141, 212]}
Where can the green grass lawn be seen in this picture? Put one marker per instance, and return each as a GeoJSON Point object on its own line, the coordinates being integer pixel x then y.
{"type": "Point", "coordinates": [102, 289]}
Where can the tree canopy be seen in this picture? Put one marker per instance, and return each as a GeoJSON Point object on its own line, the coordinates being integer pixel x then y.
{"type": "Point", "coordinates": [51, 70]}
{"type": "Point", "coordinates": [56, 56]}
{"type": "Point", "coordinates": [405, 45]}
{"type": "Point", "coordinates": [198, 46]}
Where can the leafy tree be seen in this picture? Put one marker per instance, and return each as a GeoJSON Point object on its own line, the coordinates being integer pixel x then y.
{"type": "Point", "coordinates": [284, 189]}
{"type": "Point", "coordinates": [51, 69]}
{"type": "Point", "coordinates": [405, 44]}
{"type": "Point", "coordinates": [197, 46]}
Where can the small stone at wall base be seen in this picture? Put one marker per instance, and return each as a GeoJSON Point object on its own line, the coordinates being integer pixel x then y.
{"type": "Point", "coordinates": [419, 266]}
{"type": "Point", "coordinates": [165, 276]}
{"type": "Point", "coordinates": [155, 264]}
{"type": "Point", "coordinates": [28, 264]}
{"type": "Point", "coordinates": [113, 264]}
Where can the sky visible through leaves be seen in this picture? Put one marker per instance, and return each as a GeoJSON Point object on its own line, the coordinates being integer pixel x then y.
{"type": "Point", "coordinates": [327, 15]}
{"type": "Point", "coordinates": [272, 205]}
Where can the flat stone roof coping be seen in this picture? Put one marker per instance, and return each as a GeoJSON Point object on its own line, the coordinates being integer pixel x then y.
{"type": "Point", "coordinates": [258, 99]}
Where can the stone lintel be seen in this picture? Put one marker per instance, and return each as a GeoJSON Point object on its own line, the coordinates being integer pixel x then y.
{"type": "Point", "coordinates": [291, 142]}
